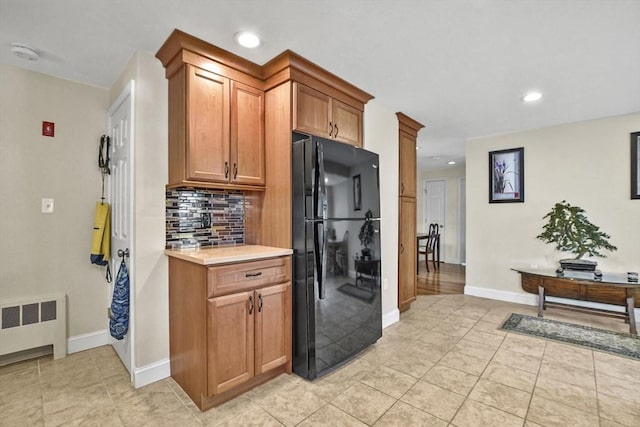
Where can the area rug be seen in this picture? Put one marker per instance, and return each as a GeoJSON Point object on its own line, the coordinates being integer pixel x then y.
{"type": "Point", "coordinates": [359, 293]}
{"type": "Point", "coordinates": [585, 336]}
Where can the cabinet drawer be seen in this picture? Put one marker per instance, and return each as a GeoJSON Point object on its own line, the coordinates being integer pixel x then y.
{"type": "Point", "coordinates": [232, 278]}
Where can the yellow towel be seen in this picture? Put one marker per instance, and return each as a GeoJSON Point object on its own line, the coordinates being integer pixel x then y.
{"type": "Point", "coordinates": [101, 242]}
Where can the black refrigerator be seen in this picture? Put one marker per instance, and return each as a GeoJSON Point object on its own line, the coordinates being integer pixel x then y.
{"type": "Point", "coordinates": [337, 309]}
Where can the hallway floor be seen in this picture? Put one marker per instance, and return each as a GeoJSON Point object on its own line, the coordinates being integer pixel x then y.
{"type": "Point", "coordinates": [444, 363]}
{"type": "Point", "coordinates": [448, 279]}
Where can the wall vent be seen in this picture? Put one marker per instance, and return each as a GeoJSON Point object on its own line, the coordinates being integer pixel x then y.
{"type": "Point", "coordinates": [28, 323]}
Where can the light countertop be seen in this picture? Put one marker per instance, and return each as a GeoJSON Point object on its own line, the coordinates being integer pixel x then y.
{"type": "Point", "coordinates": [227, 254]}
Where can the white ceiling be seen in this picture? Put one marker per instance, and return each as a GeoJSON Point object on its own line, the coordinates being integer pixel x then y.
{"type": "Point", "coordinates": [457, 66]}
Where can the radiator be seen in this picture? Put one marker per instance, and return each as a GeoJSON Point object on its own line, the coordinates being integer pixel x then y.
{"type": "Point", "coordinates": [27, 323]}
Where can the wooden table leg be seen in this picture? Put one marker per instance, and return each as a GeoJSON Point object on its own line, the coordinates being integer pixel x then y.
{"type": "Point", "coordinates": [632, 315]}
{"type": "Point", "coordinates": [540, 300]}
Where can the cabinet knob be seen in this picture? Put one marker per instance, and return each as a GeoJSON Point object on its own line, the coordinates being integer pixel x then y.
{"type": "Point", "coordinates": [250, 304]}
{"type": "Point", "coordinates": [226, 169]}
{"type": "Point", "coordinates": [330, 129]}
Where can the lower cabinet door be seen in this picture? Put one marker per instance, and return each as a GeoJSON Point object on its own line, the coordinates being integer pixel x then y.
{"type": "Point", "coordinates": [230, 350]}
{"type": "Point", "coordinates": [273, 327]}
{"type": "Point", "coordinates": [407, 290]}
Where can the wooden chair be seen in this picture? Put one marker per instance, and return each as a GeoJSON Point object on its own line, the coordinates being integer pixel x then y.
{"type": "Point", "coordinates": [430, 247]}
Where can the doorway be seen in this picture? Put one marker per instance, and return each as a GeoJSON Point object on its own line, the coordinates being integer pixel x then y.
{"type": "Point", "coordinates": [435, 206]}
{"type": "Point", "coordinates": [120, 130]}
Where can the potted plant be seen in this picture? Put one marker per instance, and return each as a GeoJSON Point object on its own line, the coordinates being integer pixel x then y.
{"type": "Point", "coordinates": [366, 234]}
{"type": "Point", "coordinates": [571, 231]}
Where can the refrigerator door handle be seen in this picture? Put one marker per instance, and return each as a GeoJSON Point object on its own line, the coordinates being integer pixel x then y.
{"type": "Point", "coordinates": [321, 207]}
{"type": "Point", "coordinates": [321, 256]}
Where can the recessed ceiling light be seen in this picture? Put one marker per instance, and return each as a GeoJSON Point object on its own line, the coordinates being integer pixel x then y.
{"type": "Point", "coordinates": [532, 96]}
{"type": "Point", "coordinates": [24, 51]}
{"type": "Point", "coordinates": [451, 162]}
{"type": "Point", "coordinates": [247, 39]}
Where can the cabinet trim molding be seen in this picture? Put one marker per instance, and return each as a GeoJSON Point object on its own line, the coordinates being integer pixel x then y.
{"type": "Point", "coordinates": [408, 125]}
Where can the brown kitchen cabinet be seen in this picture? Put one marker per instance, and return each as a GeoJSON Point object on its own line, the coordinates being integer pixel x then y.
{"type": "Point", "coordinates": [407, 286]}
{"type": "Point", "coordinates": [229, 326]}
{"type": "Point", "coordinates": [407, 137]}
{"type": "Point", "coordinates": [319, 114]}
{"type": "Point", "coordinates": [407, 165]}
{"type": "Point", "coordinates": [216, 116]}
{"type": "Point", "coordinates": [248, 335]}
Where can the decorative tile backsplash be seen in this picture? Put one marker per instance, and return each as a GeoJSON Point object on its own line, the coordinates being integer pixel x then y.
{"type": "Point", "coordinates": [204, 218]}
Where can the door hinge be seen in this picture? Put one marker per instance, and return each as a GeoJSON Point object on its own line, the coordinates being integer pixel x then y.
{"type": "Point", "coordinates": [108, 312]}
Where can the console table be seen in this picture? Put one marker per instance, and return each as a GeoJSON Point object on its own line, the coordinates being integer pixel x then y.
{"type": "Point", "coordinates": [611, 288]}
{"type": "Point", "coordinates": [367, 271]}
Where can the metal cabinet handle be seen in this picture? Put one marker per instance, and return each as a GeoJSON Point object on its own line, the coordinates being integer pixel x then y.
{"type": "Point", "coordinates": [259, 303]}
{"type": "Point", "coordinates": [235, 170]}
{"type": "Point", "coordinates": [226, 169]}
{"type": "Point", "coordinates": [330, 129]}
{"type": "Point", "coordinates": [253, 274]}
{"type": "Point", "coordinates": [401, 248]}
{"type": "Point", "coordinates": [401, 188]}
{"type": "Point", "coordinates": [336, 128]}
{"type": "Point", "coordinates": [250, 304]}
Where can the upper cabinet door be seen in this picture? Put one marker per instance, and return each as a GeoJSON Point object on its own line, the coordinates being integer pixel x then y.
{"type": "Point", "coordinates": [207, 148]}
{"type": "Point", "coordinates": [247, 135]}
{"type": "Point", "coordinates": [407, 165]}
{"type": "Point", "coordinates": [311, 111]}
{"type": "Point", "coordinates": [347, 123]}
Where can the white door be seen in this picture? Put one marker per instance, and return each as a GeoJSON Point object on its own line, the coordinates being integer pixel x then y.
{"type": "Point", "coordinates": [435, 207]}
{"type": "Point", "coordinates": [120, 129]}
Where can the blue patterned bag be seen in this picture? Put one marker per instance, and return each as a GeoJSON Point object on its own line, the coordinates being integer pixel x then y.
{"type": "Point", "coordinates": [119, 319]}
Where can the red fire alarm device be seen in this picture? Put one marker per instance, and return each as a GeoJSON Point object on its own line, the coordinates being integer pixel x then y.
{"type": "Point", "coordinates": [48, 128]}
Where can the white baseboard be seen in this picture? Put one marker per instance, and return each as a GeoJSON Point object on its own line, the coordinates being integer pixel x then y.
{"type": "Point", "coordinates": [141, 376]}
{"type": "Point", "coordinates": [83, 342]}
{"type": "Point", "coordinates": [151, 373]}
{"type": "Point", "coordinates": [531, 299]}
{"type": "Point", "coordinates": [390, 318]}
{"type": "Point", "coordinates": [516, 297]}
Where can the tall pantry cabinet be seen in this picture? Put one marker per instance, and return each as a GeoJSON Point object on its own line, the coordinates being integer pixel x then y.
{"type": "Point", "coordinates": [408, 133]}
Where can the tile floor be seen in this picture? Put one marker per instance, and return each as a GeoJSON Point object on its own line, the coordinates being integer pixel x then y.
{"type": "Point", "coordinates": [444, 363]}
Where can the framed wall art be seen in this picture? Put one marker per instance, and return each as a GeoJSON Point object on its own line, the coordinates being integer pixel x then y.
{"type": "Point", "coordinates": [635, 161]}
{"type": "Point", "coordinates": [506, 176]}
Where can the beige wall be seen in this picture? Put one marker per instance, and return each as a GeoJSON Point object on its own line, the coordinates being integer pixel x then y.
{"type": "Point", "coordinates": [46, 253]}
{"type": "Point", "coordinates": [449, 249]}
{"type": "Point", "coordinates": [150, 274]}
{"type": "Point", "coordinates": [585, 163]}
{"type": "Point", "coordinates": [381, 136]}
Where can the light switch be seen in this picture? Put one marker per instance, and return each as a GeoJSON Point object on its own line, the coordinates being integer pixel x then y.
{"type": "Point", "coordinates": [47, 205]}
